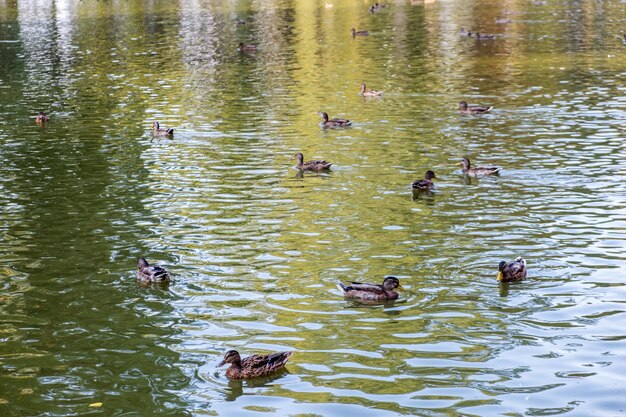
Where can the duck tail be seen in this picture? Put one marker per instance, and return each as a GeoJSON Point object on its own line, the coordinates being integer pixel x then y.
{"type": "Point", "coordinates": [170, 131]}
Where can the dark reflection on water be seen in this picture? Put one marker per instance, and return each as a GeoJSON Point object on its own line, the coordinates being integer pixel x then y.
{"type": "Point", "coordinates": [255, 247]}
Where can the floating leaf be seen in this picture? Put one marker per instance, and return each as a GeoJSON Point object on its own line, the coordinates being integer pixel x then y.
{"type": "Point", "coordinates": [95, 405]}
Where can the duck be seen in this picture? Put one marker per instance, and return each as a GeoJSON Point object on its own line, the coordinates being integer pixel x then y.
{"type": "Point", "coordinates": [41, 118]}
{"type": "Point", "coordinates": [426, 184]}
{"type": "Point", "coordinates": [369, 93]}
{"type": "Point", "coordinates": [359, 32]}
{"type": "Point", "coordinates": [465, 109]}
{"type": "Point", "coordinates": [253, 366]}
{"type": "Point", "coordinates": [311, 165]}
{"type": "Point", "coordinates": [151, 273]}
{"type": "Point", "coordinates": [485, 36]}
{"type": "Point", "coordinates": [246, 48]}
{"type": "Point", "coordinates": [371, 292]}
{"type": "Point", "coordinates": [512, 271]}
{"type": "Point", "coordinates": [157, 130]}
{"type": "Point", "coordinates": [467, 169]}
{"type": "Point", "coordinates": [333, 122]}
{"type": "Point", "coordinates": [463, 32]}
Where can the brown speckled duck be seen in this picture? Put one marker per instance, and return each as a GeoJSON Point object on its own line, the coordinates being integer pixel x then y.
{"type": "Point", "coordinates": [311, 165]}
{"type": "Point", "coordinates": [151, 273]}
{"type": "Point", "coordinates": [467, 169]}
{"type": "Point", "coordinates": [333, 122]}
{"type": "Point", "coordinates": [356, 33]}
{"type": "Point", "coordinates": [426, 184]}
{"type": "Point", "coordinates": [512, 271]}
{"type": "Point", "coordinates": [371, 292]}
{"type": "Point", "coordinates": [253, 366]}
{"type": "Point", "coordinates": [157, 130]}
{"type": "Point", "coordinates": [465, 109]}
{"type": "Point", "coordinates": [369, 93]}
{"type": "Point", "coordinates": [41, 118]}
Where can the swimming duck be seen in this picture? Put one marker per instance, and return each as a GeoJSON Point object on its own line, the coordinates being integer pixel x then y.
{"type": "Point", "coordinates": [333, 122]}
{"type": "Point", "coordinates": [41, 118]}
{"type": "Point", "coordinates": [359, 32]}
{"type": "Point", "coordinates": [311, 165]}
{"type": "Point", "coordinates": [464, 108]}
{"type": "Point", "coordinates": [157, 130]}
{"type": "Point", "coordinates": [425, 184]}
{"type": "Point", "coordinates": [463, 32]}
{"type": "Point", "coordinates": [371, 292]}
{"type": "Point", "coordinates": [369, 93]}
{"type": "Point", "coordinates": [465, 163]}
{"type": "Point", "coordinates": [512, 271]}
{"type": "Point", "coordinates": [151, 273]}
{"type": "Point", "coordinates": [253, 366]}
{"type": "Point", "coordinates": [485, 36]}
{"type": "Point", "coordinates": [246, 48]}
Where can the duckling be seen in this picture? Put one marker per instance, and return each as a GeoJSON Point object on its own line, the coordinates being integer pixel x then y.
{"type": "Point", "coordinates": [465, 109]}
{"type": "Point", "coordinates": [246, 48]}
{"type": "Point", "coordinates": [425, 184]}
{"type": "Point", "coordinates": [512, 271]}
{"type": "Point", "coordinates": [371, 292]}
{"type": "Point", "coordinates": [465, 163]}
{"type": "Point", "coordinates": [311, 165]}
{"type": "Point", "coordinates": [333, 122]}
{"type": "Point", "coordinates": [157, 130]}
{"type": "Point", "coordinates": [41, 118]}
{"type": "Point", "coordinates": [253, 366]}
{"type": "Point", "coordinates": [359, 32]}
{"type": "Point", "coordinates": [151, 273]}
{"type": "Point", "coordinates": [369, 93]}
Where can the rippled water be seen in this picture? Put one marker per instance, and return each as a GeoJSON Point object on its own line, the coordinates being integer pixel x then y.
{"type": "Point", "coordinates": [256, 248]}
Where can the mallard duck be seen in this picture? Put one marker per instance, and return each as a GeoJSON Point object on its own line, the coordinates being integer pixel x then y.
{"type": "Point", "coordinates": [41, 117]}
{"type": "Point", "coordinates": [333, 122]}
{"type": "Point", "coordinates": [359, 32]}
{"type": "Point", "coordinates": [311, 165]}
{"type": "Point", "coordinates": [463, 32]}
{"type": "Point", "coordinates": [485, 36]}
{"type": "Point", "coordinates": [467, 169]}
{"type": "Point", "coordinates": [253, 366]}
{"type": "Point", "coordinates": [151, 273]}
{"type": "Point", "coordinates": [246, 48]}
{"type": "Point", "coordinates": [464, 108]}
{"type": "Point", "coordinates": [425, 184]}
{"type": "Point", "coordinates": [371, 292]}
{"type": "Point", "coordinates": [369, 93]}
{"type": "Point", "coordinates": [157, 130]}
{"type": "Point", "coordinates": [512, 271]}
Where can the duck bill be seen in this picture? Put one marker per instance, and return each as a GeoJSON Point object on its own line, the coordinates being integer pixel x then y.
{"type": "Point", "coordinates": [400, 287]}
{"type": "Point", "coordinates": [219, 365]}
{"type": "Point", "coordinates": [500, 276]}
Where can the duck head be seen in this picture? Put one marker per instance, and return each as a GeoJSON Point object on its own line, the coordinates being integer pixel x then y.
{"type": "Point", "coordinates": [463, 105]}
{"type": "Point", "coordinates": [500, 269]}
{"type": "Point", "coordinates": [429, 175]}
{"type": "Point", "coordinates": [391, 283]}
{"type": "Point", "coordinates": [299, 157]}
{"type": "Point", "coordinates": [465, 163]}
{"type": "Point", "coordinates": [232, 356]}
{"type": "Point", "coordinates": [142, 263]}
{"type": "Point", "coordinates": [324, 114]}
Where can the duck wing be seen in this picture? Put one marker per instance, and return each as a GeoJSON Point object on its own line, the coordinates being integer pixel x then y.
{"type": "Point", "coordinates": [263, 364]}
{"type": "Point", "coordinates": [516, 270]}
{"type": "Point", "coordinates": [363, 286]}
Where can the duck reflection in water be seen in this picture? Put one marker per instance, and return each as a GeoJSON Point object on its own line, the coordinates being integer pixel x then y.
{"type": "Point", "coordinates": [236, 386]}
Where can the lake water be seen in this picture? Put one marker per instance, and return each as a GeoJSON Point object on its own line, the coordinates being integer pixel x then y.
{"type": "Point", "coordinates": [256, 248]}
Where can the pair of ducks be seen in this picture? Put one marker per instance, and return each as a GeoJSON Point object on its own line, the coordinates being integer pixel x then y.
{"type": "Point", "coordinates": [427, 183]}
